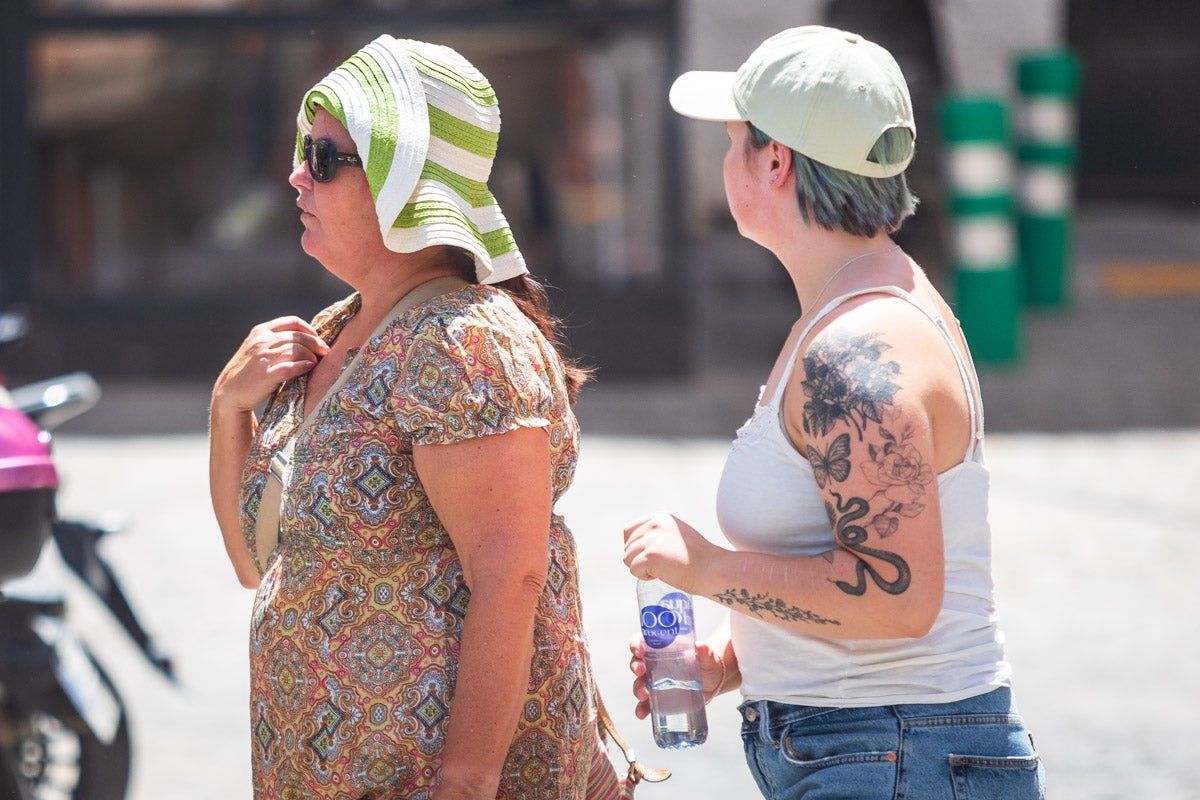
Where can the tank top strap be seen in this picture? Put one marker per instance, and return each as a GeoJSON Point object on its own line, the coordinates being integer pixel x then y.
{"type": "Point", "coordinates": [966, 368]}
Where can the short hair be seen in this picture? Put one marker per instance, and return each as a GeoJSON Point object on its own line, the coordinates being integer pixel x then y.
{"type": "Point", "coordinates": [836, 199]}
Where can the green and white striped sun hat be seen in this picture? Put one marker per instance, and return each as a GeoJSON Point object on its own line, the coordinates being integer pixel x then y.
{"type": "Point", "coordinates": [426, 124]}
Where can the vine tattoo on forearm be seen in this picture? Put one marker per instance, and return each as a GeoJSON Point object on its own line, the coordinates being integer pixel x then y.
{"type": "Point", "coordinates": [846, 382]}
{"type": "Point", "coordinates": [764, 603]}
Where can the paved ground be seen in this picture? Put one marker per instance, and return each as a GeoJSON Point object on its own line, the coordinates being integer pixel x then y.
{"type": "Point", "coordinates": [1096, 558]}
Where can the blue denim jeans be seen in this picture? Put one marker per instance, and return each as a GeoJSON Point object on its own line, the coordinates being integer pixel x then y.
{"type": "Point", "coordinates": [973, 749]}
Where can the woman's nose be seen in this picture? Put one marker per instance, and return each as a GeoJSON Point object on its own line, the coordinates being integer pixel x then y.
{"type": "Point", "coordinates": [300, 179]}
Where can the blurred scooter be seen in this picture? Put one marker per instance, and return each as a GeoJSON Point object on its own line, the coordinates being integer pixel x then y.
{"type": "Point", "coordinates": [64, 731]}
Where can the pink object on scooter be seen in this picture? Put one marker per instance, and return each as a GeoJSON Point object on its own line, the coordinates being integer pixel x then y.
{"type": "Point", "coordinates": [25, 461]}
{"type": "Point", "coordinates": [28, 482]}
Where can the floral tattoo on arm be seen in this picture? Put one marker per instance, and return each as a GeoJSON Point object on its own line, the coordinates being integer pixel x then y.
{"type": "Point", "coordinates": [847, 382]}
{"type": "Point", "coordinates": [761, 604]}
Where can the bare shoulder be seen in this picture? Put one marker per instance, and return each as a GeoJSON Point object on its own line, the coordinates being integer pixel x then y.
{"type": "Point", "coordinates": [892, 317]}
{"type": "Point", "coordinates": [881, 333]}
{"type": "Point", "coordinates": [875, 357]}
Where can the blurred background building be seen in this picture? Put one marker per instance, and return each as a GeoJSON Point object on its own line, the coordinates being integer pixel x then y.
{"type": "Point", "coordinates": [146, 222]}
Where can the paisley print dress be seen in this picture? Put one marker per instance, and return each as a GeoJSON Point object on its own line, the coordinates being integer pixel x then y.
{"type": "Point", "coordinates": [356, 625]}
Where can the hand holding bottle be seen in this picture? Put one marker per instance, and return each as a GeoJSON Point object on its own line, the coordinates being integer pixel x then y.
{"type": "Point", "coordinates": [664, 547]}
{"type": "Point", "coordinates": [712, 673]}
{"type": "Point", "coordinates": [672, 673]}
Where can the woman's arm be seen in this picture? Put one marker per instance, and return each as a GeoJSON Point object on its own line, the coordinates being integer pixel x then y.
{"type": "Point", "coordinates": [273, 352]}
{"type": "Point", "coordinates": [861, 400]}
{"type": "Point", "coordinates": [493, 495]}
{"type": "Point", "coordinates": [230, 433]}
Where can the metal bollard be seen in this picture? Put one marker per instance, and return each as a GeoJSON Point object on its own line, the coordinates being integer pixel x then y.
{"type": "Point", "coordinates": [984, 257]}
{"type": "Point", "coordinates": [1048, 84]}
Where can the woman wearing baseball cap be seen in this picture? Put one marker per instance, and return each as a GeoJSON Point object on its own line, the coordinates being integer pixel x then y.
{"type": "Point", "coordinates": [862, 630]}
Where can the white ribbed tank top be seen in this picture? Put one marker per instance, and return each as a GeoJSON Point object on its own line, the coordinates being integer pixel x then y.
{"type": "Point", "coordinates": [768, 501]}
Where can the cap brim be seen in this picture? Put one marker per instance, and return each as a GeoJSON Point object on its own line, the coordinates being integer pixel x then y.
{"type": "Point", "coordinates": [705, 95]}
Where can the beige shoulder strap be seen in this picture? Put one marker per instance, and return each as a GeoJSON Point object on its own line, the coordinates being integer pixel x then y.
{"type": "Point", "coordinates": [636, 773]}
{"type": "Point", "coordinates": [266, 526]}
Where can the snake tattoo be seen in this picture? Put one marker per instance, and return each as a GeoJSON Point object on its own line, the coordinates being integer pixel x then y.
{"type": "Point", "coordinates": [853, 537]}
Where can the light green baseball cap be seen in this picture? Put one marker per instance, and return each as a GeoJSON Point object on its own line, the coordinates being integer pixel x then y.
{"type": "Point", "coordinates": [826, 93]}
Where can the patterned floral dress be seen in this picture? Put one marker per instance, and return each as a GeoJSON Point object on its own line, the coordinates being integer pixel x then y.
{"type": "Point", "coordinates": [356, 625]}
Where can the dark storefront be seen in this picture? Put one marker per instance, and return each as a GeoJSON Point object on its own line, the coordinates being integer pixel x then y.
{"type": "Point", "coordinates": [151, 224]}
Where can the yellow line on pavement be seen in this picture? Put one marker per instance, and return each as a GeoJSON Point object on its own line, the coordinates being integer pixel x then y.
{"type": "Point", "coordinates": [1152, 278]}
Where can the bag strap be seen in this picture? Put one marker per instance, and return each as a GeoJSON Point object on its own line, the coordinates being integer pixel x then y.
{"type": "Point", "coordinates": [637, 772]}
{"type": "Point", "coordinates": [414, 297]}
{"type": "Point", "coordinates": [271, 504]}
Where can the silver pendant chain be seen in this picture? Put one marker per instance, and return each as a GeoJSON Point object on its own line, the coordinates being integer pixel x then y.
{"type": "Point", "coordinates": [838, 271]}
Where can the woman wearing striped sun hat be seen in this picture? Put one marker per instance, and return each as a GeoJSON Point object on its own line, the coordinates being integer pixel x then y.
{"type": "Point", "coordinates": [416, 631]}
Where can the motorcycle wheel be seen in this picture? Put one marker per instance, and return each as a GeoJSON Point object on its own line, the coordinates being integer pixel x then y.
{"type": "Point", "coordinates": [11, 788]}
{"type": "Point", "coordinates": [60, 761]}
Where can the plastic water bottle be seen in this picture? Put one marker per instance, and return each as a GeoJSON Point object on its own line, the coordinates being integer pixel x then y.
{"type": "Point", "coordinates": [676, 695]}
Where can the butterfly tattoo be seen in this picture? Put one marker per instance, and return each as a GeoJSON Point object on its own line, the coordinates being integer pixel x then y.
{"type": "Point", "coordinates": [834, 463]}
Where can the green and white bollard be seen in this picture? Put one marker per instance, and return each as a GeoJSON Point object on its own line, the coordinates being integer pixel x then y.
{"type": "Point", "coordinates": [984, 258]}
{"type": "Point", "coordinates": [1048, 84]}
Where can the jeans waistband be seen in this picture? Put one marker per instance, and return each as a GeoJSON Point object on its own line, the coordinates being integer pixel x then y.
{"type": "Point", "coordinates": [767, 714]}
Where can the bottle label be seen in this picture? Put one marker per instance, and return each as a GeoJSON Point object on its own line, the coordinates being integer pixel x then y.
{"type": "Point", "coordinates": [662, 623]}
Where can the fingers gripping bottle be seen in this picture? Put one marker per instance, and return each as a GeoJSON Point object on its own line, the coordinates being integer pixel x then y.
{"type": "Point", "coordinates": [672, 672]}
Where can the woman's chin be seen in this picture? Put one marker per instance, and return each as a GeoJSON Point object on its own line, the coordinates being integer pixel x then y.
{"type": "Point", "coordinates": [307, 243]}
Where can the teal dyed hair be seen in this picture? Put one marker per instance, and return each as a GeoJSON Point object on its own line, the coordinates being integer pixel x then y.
{"type": "Point", "coordinates": [840, 200]}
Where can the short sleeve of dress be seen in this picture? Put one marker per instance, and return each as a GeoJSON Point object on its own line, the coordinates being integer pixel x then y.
{"type": "Point", "coordinates": [475, 371]}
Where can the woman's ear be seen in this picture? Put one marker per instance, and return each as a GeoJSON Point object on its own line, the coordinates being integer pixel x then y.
{"type": "Point", "coordinates": [780, 164]}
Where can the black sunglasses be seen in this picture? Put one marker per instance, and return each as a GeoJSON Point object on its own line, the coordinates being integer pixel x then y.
{"type": "Point", "coordinates": [323, 159]}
